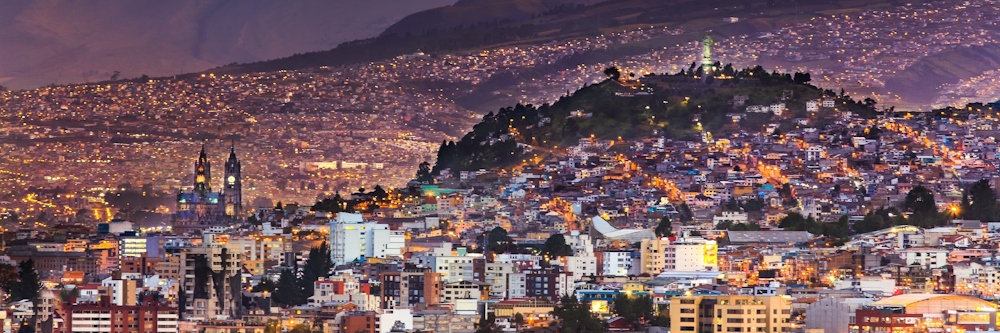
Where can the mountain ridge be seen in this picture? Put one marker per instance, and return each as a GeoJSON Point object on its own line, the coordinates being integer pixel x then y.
{"type": "Point", "coordinates": [64, 41]}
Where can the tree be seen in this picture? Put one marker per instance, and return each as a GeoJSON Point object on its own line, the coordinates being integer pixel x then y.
{"type": "Point", "coordinates": [576, 317]}
{"type": "Point", "coordinates": [288, 293]}
{"type": "Point", "coordinates": [685, 212]}
{"type": "Point", "coordinates": [792, 221]}
{"type": "Point", "coordinates": [8, 277]}
{"type": "Point", "coordinates": [317, 266]}
{"type": "Point", "coordinates": [497, 240]}
{"type": "Point", "coordinates": [983, 202]}
{"type": "Point", "coordinates": [487, 324]}
{"type": "Point", "coordinates": [920, 201]}
{"type": "Point", "coordinates": [802, 78]}
{"type": "Point", "coordinates": [26, 328]}
{"type": "Point", "coordinates": [634, 310]}
{"type": "Point", "coordinates": [272, 326]}
{"type": "Point", "coordinates": [424, 173]}
{"type": "Point", "coordinates": [556, 246]}
{"type": "Point", "coordinates": [612, 73]}
{"type": "Point", "coordinates": [27, 287]}
{"type": "Point", "coordinates": [265, 284]}
{"type": "Point", "coordinates": [379, 193]}
{"type": "Point", "coordinates": [518, 321]}
{"type": "Point", "coordinates": [659, 321]}
{"type": "Point", "coordinates": [664, 229]}
{"type": "Point", "coordinates": [871, 222]}
{"type": "Point", "coordinates": [300, 328]}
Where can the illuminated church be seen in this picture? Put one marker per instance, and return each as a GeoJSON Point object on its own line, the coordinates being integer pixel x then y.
{"type": "Point", "coordinates": [202, 208]}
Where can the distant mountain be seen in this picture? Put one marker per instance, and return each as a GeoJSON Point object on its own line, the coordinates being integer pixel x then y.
{"type": "Point", "coordinates": [470, 25]}
{"type": "Point", "coordinates": [66, 41]}
{"type": "Point", "coordinates": [919, 82]}
{"type": "Point", "coordinates": [469, 12]}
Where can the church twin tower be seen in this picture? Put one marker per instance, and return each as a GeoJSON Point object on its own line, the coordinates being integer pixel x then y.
{"type": "Point", "coordinates": [203, 208]}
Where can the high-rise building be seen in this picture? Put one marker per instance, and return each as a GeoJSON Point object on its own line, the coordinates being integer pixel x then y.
{"type": "Point", "coordinates": [653, 255]}
{"type": "Point", "coordinates": [104, 316]}
{"type": "Point", "coordinates": [730, 313]}
{"type": "Point", "coordinates": [410, 288]}
{"type": "Point", "coordinates": [691, 255]}
{"type": "Point", "coordinates": [210, 279]}
{"type": "Point", "coordinates": [352, 238]}
{"type": "Point", "coordinates": [354, 322]}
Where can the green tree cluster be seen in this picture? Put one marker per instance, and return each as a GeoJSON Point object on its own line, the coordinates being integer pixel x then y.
{"type": "Point", "coordinates": [919, 202]}
{"type": "Point", "coordinates": [488, 324]}
{"type": "Point", "coordinates": [27, 287]}
{"type": "Point", "coordinates": [575, 317]}
{"type": "Point", "coordinates": [795, 221]}
{"type": "Point", "coordinates": [556, 246]}
{"type": "Point", "coordinates": [665, 228]}
{"type": "Point", "coordinates": [424, 175]}
{"type": "Point", "coordinates": [317, 266]}
{"type": "Point", "coordinates": [265, 284]}
{"type": "Point", "coordinates": [497, 241]}
{"type": "Point", "coordinates": [288, 291]}
{"type": "Point", "coordinates": [729, 225]}
{"type": "Point", "coordinates": [337, 204]}
{"type": "Point", "coordinates": [636, 311]}
{"type": "Point", "coordinates": [982, 202]}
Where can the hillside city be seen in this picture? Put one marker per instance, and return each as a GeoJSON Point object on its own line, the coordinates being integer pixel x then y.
{"type": "Point", "coordinates": [801, 204]}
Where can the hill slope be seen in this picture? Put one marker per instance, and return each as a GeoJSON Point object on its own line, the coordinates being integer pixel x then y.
{"type": "Point", "coordinates": [673, 106]}
{"type": "Point", "coordinates": [919, 82]}
{"type": "Point", "coordinates": [466, 12]}
{"type": "Point", "coordinates": [65, 41]}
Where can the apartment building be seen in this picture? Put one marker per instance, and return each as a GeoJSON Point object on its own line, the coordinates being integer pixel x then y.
{"type": "Point", "coordinates": [730, 314]}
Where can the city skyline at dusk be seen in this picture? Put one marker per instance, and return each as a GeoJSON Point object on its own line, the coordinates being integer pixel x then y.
{"type": "Point", "coordinates": [719, 166]}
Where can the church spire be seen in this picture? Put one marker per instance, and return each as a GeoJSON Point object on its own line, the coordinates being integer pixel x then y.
{"type": "Point", "coordinates": [202, 172]}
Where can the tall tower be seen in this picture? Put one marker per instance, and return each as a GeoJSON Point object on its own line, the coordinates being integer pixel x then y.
{"type": "Point", "coordinates": [202, 173]}
{"type": "Point", "coordinates": [233, 186]}
{"type": "Point", "coordinates": [706, 56]}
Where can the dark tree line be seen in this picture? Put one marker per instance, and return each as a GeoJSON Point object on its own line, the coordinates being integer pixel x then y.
{"type": "Point", "coordinates": [293, 289]}
{"type": "Point", "coordinates": [369, 200]}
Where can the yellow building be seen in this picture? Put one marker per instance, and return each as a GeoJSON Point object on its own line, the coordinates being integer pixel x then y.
{"type": "Point", "coordinates": [525, 306]}
{"type": "Point", "coordinates": [730, 313]}
{"type": "Point", "coordinates": [739, 190]}
{"type": "Point", "coordinates": [653, 255]}
{"type": "Point", "coordinates": [633, 288]}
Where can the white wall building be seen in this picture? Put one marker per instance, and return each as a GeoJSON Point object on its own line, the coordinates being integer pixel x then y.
{"type": "Point", "coordinates": [691, 255]}
{"type": "Point", "coordinates": [925, 256]}
{"type": "Point", "coordinates": [581, 266]}
{"type": "Point", "coordinates": [390, 317]}
{"type": "Point", "coordinates": [731, 217]}
{"type": "Point", "coordinates": [617, 263]}
{"type": "Point", "coordinates": [352, 238]}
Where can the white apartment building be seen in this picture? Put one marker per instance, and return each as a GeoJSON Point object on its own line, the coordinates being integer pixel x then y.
{"type": "Point", "coordinates": [925, 256]}
{"type": "Point", "coordinates": [517, 285]}
{"type": "Point", "coordinates": [497, 274]}
{"type": "Point", "coordinates": [352, 238]}
{"type": "Point", "coordinates": [691, 255]}
{"type": "Point", "coordinates": [581, 265]}
{"type": "Point", "coordinates": [617, 263]}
